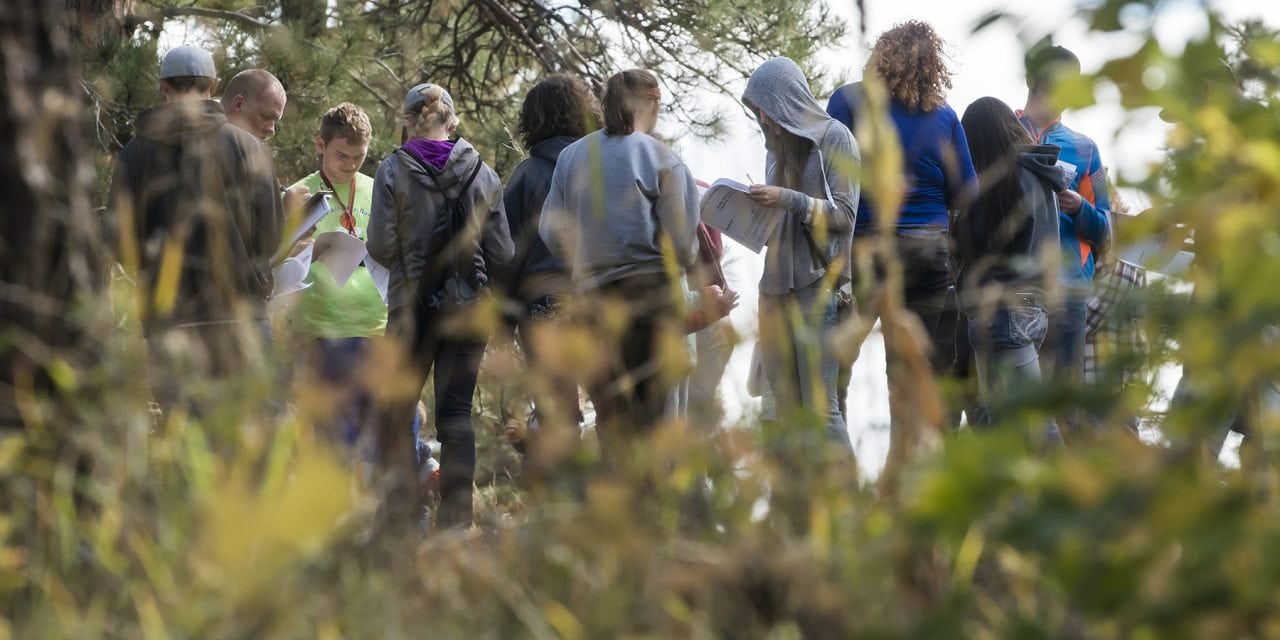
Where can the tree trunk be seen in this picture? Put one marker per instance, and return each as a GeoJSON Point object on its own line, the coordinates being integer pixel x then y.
{"type": "Point", "coordinates": [50, 266]}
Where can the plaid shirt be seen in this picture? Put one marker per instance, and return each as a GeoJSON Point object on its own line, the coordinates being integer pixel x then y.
{"type": "Point", "coordinates": [1113, 325]}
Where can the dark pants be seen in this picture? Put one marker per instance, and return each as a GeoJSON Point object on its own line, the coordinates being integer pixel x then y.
{"type": "Point", "coordinates": [201, 368]}
{"type": "Point", "coordinates": [341, 364]}
{"type": "Point", "coordinates": [442, 344]}
{"type": "Point", "coordinates": [556, 391]}
{"type": "Point", "coordinates": [630, 392]}
{"type": "Point", "coordinates": [553, 429]}
{"type": "Point", "coordinates": [925, 256]}
{"type": "Point", "coordinates": [1065, 346]}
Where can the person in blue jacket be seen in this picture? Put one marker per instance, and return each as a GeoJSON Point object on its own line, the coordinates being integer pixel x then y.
{"type": "Point", "coordinates": [1084, 208]}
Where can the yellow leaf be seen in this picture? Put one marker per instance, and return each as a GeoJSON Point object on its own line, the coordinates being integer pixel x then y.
{"type": "Point", "coordinates": [563, 620]}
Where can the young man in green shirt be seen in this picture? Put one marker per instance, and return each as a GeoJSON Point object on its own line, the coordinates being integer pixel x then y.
{"type": "Point", "coordinates": [334, 324]}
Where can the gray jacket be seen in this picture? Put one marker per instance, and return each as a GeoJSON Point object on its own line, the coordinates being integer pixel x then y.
{"type": "Point", "coordinates": [398, 236]}
{"type": "Point", "coordinates": [612, 200]}
{"type": "Point", "coordinates": [827, 204]}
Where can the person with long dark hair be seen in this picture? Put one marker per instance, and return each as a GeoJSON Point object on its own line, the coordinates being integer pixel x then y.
{"type": "Point", "coordinates": [438, 226]}
{"type": "Point", "coordinates": [1009, 253]}
{"type": "Point", "coordinates": [557, 111]}
{"type": "Point", "coordinates": [810, 180]}
{"type": "Point", "coordinates": [623, 213]}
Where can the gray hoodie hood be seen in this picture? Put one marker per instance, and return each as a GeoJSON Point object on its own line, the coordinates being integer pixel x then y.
{"type": "Point", "coordinates": [176, 124]}
{"type": "Point", "coordinates": [779, 89]}
{"type": "Point", "coordinates": [1042, 160]}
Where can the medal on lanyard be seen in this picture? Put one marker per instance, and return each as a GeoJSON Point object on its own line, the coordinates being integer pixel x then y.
{"type": "Point", "coordinates": [348, 219]}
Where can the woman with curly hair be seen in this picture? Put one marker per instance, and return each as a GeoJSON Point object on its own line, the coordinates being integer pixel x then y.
{"type": "Point", "coordinates": [557, 112]}
{"type": "Point", "coordinates": [910, 63]}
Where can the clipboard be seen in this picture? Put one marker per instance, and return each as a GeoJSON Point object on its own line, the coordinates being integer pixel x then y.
{"type": "Point", "coordinates": [314, 210]}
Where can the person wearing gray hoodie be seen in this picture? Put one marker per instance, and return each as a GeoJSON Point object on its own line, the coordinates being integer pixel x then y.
{"type": "Point", "coordinates": [437, 224]}
{"type": "Point", "coordinates": [1007, 241]}
{"type": "Point", "coordinates": [622, 210]}
{"type": "Point", "coordinates": [811, 170]}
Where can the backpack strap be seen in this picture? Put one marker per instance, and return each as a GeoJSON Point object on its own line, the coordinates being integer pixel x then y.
{"type": "Point", "coordinates": [435, 272]}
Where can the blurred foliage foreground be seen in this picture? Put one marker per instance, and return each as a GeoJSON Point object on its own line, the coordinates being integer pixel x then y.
{"type": "Point", "coordinates": [114, 524]}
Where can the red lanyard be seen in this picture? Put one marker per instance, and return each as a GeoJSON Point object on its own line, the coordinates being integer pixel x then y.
{"type": "Point", "coordinates": [347, 220]}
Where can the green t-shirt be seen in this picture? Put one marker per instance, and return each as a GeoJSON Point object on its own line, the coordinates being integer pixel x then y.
{"type": "Point", "coordinates": [356, 310]}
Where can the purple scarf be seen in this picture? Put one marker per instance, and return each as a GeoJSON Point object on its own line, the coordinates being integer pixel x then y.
{"type": "Point", "coordinates": [432, 152]}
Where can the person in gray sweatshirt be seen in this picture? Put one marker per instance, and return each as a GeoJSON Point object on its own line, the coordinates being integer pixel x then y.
{"type": "Point", "coordinates": [1007, 241]}
{"type": "Point", "coordinates": [621, 212]}
{"type": "Point", "coordinates": [811, 170]}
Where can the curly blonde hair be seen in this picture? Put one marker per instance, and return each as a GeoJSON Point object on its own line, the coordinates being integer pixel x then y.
{"type": "Point", "coordinates": [909, 59]}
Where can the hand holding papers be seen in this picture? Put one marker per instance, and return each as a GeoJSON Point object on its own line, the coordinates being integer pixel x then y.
{"type": "Point", "coordinates": [313, 212]}
{"type": "Point", "coordinates": [727, 206]}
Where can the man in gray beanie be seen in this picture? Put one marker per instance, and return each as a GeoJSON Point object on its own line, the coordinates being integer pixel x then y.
{"type": "Point", "coordinates": [195, 210]}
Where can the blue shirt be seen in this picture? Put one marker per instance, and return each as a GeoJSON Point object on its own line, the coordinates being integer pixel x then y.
{"type": "Point", "coordinates": [935, 157]}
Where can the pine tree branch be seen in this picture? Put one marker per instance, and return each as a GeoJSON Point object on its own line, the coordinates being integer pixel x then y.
{"type": "Point", "coordinates": [373, 92]}
{"type": "Point", "coordinates": [243, 20]}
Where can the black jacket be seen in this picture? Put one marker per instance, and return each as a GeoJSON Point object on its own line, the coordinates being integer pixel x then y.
{"type": "Point", "coordinates": [1007, 248]}
{"type": "Point", "coordinates": [190, 181]}
{"type": "Point", "coordinates": [526, 191]}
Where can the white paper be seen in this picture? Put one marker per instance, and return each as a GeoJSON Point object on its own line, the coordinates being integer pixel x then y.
{"type": "Point", "coordinates": [291, 274]}
{"type": "Point", "coordinates": [1154, 254]}
{"type": "Point", "coordinates": [727, 208]}
{"type": "Point", "coordinates": [283, 302]}
{"type": "Point", "coordinates": [1164, 253]}
{"type": "Point", "coordinates": [381, 277]}
{"type": "Point", "coordinates": [1068, 169]}
{"type": "Point", "coordinates": [318, 208]}
{"type": "Point", "coordinates": [340, 252]}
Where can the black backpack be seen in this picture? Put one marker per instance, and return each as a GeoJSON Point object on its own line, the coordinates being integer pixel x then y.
{"type": "Point", "coordinates": [450, 278]}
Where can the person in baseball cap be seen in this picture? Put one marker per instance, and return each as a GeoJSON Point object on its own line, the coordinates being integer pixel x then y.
{"type": "Point", "coordinates": [419, 94]}
{"type": "Point", "coordinates": [429, 93]}
{"type": "Point", "coordinates": [187, 62]}
{"type": "Point", "coordinates": [187, 73]}
{"type": "Point", "coordinates": [190, 180]}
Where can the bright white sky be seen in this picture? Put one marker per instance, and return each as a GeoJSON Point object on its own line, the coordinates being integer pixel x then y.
{"type": "Point", "coordinates": [986, 64]}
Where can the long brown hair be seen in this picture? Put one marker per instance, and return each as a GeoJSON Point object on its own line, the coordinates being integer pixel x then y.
{"type": "Point", "coordinates": [792, 155]}
{"type": "Point", "coordinates": [624, 95]}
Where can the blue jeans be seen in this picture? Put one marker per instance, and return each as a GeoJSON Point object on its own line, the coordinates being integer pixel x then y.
{"type": "Point", "coordinates": [800, 367]}
{"type": "Point", "coordinates": [1065, 339]}
{"type": "Point", "coordinates": [1066, 344]}
{"type": "Point", "coordinates": [1007, 353]}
